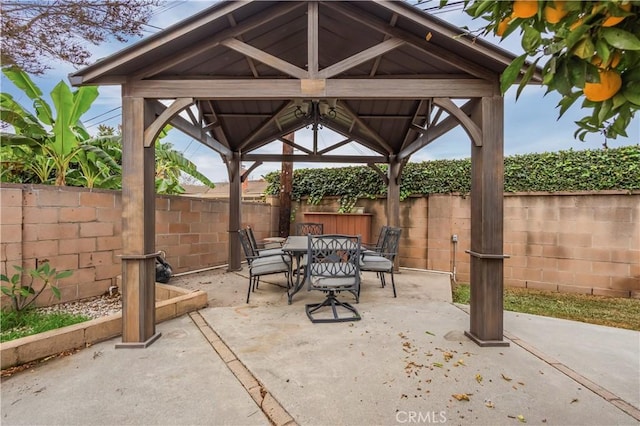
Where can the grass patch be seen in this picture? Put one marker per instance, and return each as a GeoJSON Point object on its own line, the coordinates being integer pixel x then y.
{"type": "Point", "coordinates": [609, 311]}
{"type": "Point", "coordinates": [14, 326]}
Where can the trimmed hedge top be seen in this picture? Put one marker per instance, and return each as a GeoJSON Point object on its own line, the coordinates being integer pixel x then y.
{"type": "Point", "coordinates": [588, 170]}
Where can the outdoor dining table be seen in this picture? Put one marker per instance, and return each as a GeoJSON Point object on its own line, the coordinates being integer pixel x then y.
{"type": "Point", "coordinates": [296, 246]}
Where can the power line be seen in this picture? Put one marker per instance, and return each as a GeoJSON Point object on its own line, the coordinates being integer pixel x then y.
{"type": "Point", "coordinates": [104, 113]}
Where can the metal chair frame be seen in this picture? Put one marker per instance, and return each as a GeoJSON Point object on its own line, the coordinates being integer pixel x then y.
{"type": "Point", "coordinates": [260, 251]}
{"type": "Point", "coordinates": [266, 264]}
{"type": "Point", "coordinates": [383, 261]}
{"type": "Point", "coordinates": [333, 267]}
{"type": "Point", "coordinates": [306, 228]}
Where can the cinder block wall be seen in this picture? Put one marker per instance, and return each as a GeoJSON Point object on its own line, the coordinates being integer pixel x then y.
{"type": "Point", "coordinates": [80, 230]}
{"type": "Point", "coordinates": [585, 242]}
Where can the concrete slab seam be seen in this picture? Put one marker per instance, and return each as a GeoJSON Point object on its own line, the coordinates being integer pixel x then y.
{"type": "Point", "coordinates": [268, 404]}
{"type": "Point", "coordinates": [608, 396]}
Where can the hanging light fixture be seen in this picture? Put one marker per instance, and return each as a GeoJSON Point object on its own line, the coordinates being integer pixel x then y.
{"type": "Point", "coordinates": [317, 111]}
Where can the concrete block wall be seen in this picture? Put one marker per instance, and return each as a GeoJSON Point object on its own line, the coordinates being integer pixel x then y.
{"type": "Point", "coordinates": [586, 242]}
{"type": "Point", "coordinates": [80, 230]}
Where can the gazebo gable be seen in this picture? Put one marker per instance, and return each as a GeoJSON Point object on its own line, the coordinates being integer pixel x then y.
{"type": "Point", "coordinates": [248, 67]}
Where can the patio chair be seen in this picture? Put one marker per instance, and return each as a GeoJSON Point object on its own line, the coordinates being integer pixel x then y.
{"type": "Point", "coordinates": [268, 251]}
{"type": "Point", "coordinates": [377, 248]}
{"type": "Point", "coordinates": [383, 262]}
{"type": "Point", "coordinates": [333, 267]}
{"type": "Point", "coordinates": [306, 228]}
{"type": "Point", "coordinates": [260, 265]}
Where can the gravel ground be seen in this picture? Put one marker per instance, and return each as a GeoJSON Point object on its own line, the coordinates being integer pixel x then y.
{"type": "Point", "coordinates": [93, 307]}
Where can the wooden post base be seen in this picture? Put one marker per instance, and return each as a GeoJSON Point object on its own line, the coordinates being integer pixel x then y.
{"type": "Point", "coordinates": [486, 343]}
{"type": "Point", "coordinates": [138, 345]}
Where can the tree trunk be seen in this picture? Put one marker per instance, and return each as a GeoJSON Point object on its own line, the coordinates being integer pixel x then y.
{"type": "Point", "coordinates": [286, 186]}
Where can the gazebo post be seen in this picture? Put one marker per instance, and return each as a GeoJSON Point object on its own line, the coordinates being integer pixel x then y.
{"type": "Point", "coordinates": [138, 226]}
{"type": "Point", "coordinates": [235, 211]}
{"type": "Point", "coordinates": [487, 258]}
{"type": "Point", "coordinates": [393, 191]}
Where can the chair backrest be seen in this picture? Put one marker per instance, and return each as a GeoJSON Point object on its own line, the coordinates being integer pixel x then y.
{"type": "Point", "coordinates": [245, 241]}
{"type": "Point", "coordinates": [389, 247]}
{"type": "Point", "coordinates": [333, 262]}
{"type": "Point", "coordinates": [383, 233]}
{"type": "Point", "coordinates": [252, 238]}
{"type": "Point", "coordinates": [306, 228]}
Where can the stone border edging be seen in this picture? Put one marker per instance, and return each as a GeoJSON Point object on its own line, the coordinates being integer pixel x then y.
{"type": "Point", "coordinates": [171, 302]}
{"type": "Point", "coordinates": [271, 408]}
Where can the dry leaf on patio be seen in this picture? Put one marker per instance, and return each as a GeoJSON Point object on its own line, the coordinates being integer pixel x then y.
{"type": "Point", "coordinates": [437, 364]}
{"type": "Point", "coordinates": [478, 378]}
{"type": "Point", "coordinates": [508, 379]}
{"type": "Point", "coordinates": [461, 396]}
{"type": "Point", "coordinates": [488, 403]}
{"type": "Point", "coordinates": [447, 356]}
{"type": "Point", "coordinates": [521, 418]}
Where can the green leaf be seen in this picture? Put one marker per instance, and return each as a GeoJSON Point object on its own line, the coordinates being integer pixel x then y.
{"type": "Point", "coordinates": [561, 80]}
{"type": "Point", "coordinates": [23, 82]}
{"type": "Point", "coordinates": [584, 48]}
{"type": "Point", "coordinates": [531, 39]}
{"type": "Point", "coordinates": [620, 39]}
{"type": "Point", "coordinates": [567, 101]}
{"type": "Point", "coordinates": [511, 73]}
{"type": "Point", "coordinates": [56, 292]}
{"type": "Point", "coordinates": [577, 71]}
{"type": "Point", "coordinates": [65, 141]}
{"type": "Point", "coordinates": [526, 77]}
{"type": "Point", "coordinates": [632, 92]}
{"type": "Point", "coordinates": [63, 274]}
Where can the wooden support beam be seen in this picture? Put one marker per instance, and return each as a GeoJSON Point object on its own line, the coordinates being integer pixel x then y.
{"type": "Point", "coordinates": [487, 194]}
{"type": "Point", "coordinates": [360, 58]}
{"type": "Point", "coordinates": [138, 226]}
{"type": "Point", "coordinates": [235, 212]}
{"type": "Point", "coordinates": [266, 58]}
{"type": "Point", "coordinates": [256, 89]}
{"type": "Point", "coordinates": [151, 132]}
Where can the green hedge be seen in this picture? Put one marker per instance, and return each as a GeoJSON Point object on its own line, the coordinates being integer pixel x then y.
{"type": "Point", "coordinates": [588, 170]}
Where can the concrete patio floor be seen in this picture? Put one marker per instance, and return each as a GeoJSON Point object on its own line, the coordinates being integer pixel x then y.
{"type": "Point", "coordinates": [265, 362]}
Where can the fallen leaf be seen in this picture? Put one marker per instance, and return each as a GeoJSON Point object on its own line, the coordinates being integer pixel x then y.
{"type": "Point", "coordinates": [447, 356]}
{"type": "Point", "coordinates": [430, 333]}
{"type": "Point", "coordinates": [461, 361]}
{"type": "Point", "coordinates": [488, 403]}
{"type": "Point", "coordinates": [461, 396]}
{"type": "Point", "coordinates": [437, 364]}
{"type": "Point", "coordinates": [521, 383]}
{"type": "Point", "coordinates": [574, 400]}
{"type": "Point", "coordinates": [521, 418]}
{"type": "Point", "coordinates": [478, 378]}
{"type": "Point", "coordinates": [508, 379]}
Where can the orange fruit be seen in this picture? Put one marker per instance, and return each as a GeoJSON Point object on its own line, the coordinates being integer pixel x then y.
{"type": "Point", "coordinates": [524, 8]}
{"type": "Point", "coordinates": [554, 13]}
{"type": "Point", "coordinates": [615, 20]}
{"type": "Point", "coordinates": [502, 26]}
{"type": "Point", "coordinates": [615, 59]}
{"type": "Point", "coordinates": [610, 83]}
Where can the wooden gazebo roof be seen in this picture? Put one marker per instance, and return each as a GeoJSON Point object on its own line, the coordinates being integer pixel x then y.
{"type": "Point", "coordinates": [388, 70]}
{"type": "Point", "coordinates": [242, 74]}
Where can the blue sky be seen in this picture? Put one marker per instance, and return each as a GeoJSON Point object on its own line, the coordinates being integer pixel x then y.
{"type": "Point", "coordinates": [531, 122]}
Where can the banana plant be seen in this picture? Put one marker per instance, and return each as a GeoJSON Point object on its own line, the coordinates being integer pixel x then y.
{"type": "Point", "coordinates": [60, 150]}
{"type": "Point", "coordinates": [57, 138]}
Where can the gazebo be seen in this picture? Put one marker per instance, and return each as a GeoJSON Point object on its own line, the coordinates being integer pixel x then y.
{"type": "Point", "coordinates": [243, 74]}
